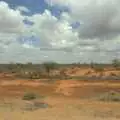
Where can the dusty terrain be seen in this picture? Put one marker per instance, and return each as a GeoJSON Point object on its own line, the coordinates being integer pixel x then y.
{"type": "Point", "coordinates": [67, 99]}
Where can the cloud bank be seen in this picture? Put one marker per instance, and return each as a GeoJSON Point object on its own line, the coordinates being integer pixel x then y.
{"type": "Point", "coordinates": [90, 29]}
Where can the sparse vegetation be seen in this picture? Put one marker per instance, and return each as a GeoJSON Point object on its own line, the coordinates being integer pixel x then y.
{"type": "Point", "coordinates": [113, 74]}
{"type": "Point", "coordinates": [35, 106]}
{"type": "Point", "coordinates": [111, 96]}
{"type": "Point", "coordinates": [52, 71]}
{"type": "Point", "coordinates": [29, 96]}
{"type": "Point", "coordinates": [88, 73]}
{"type": "Point", "coordinates": [49, 66]}
{"type": "Point", "coordinates": [97, 67]}
{"type": "Point", "coordinates": [63, 73]}
{"type": "Point", "coordinates": [116, 63]}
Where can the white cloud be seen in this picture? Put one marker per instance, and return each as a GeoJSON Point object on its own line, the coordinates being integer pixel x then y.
{"type": "Point", "coordinates": [11, 24]}
{"type": "Point", "coordinates": [23, 9]}
{"type": "Point", "coordinates": [100, 28]}
{"type": "Point", "coordinates": [10, 20]}
{"type": "Point", "coordinates": [100, 31]}
{"type": "Point", "coordinates": [57, 33]}
{"type": "Point", "coordinates": [100, 17]}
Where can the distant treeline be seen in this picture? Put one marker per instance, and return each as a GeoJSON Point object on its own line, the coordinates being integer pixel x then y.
{"type": "Point", "coordinates": [31, 66]}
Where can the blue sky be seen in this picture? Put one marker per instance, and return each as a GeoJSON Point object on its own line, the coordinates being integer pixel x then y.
{"type": "Point", "coordinates": [33, 5]}
{"type": "Point", "coordinates": [37, 6]}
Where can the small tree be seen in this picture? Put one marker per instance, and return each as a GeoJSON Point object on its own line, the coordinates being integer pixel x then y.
{"type": "Point", "coordinates": [92, 65]}
{"type": "Point", "coordinates": [116, 63]}
{"type": "Point", "coordinates": [49, 66]}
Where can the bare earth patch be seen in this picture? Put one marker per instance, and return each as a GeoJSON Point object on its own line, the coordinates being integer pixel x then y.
{"type": "Point", "coordinates": [64, 100]}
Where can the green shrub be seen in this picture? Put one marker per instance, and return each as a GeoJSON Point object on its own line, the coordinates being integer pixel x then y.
{"type": "Point", "coordinates": [29, 96]}
{"type": "Point", "coordinates": [111, 96]}
{"type": "Point", "coordinates": [116, 63]}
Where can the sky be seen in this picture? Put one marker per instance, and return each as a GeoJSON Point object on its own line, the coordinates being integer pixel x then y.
{"type": "Point", "coordinates": [63, 31]}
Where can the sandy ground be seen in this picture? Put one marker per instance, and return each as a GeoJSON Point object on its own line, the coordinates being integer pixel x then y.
{"type": "Point", "coordinates": [62, 109]}
{"type": "Point", "coordinates": [68, 100]}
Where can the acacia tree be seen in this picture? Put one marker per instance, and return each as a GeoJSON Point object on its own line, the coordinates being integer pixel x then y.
{"type": "Point", "coordinates": [116, 63]}
{"type": "Point", "coordinates": [49, 66]}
